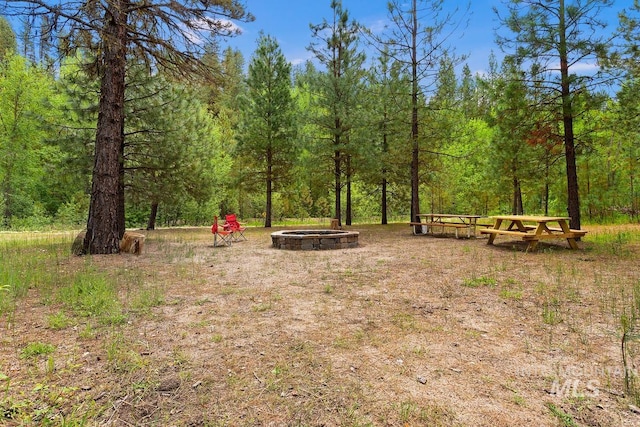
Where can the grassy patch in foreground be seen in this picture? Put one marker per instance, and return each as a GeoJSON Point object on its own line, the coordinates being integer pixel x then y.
{"type": "Point", "coordinates": [403, 330]}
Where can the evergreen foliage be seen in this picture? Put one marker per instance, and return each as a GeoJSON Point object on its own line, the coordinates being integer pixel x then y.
{"type": "Point", "coordinates": [336, 47]}
{"type": "Point", "coordinates": [8, 43]}
{"type": "Point", "coordinates": [267, 148]}
{"type": "Point", "coordinates": [337, 136]}
{"type": "Point", "coordinates": [556, 37]}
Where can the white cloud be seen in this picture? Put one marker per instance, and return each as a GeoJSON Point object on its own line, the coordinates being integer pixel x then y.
{"type": "Point", "coordinates": [378, 26]}
{"type": "Point", "coordinates": [577, 68]}
{"type": "Point", "coordinates": [204, 25]}
{"type": "Point", "coordinates": [584, 67]}
{"type": "Point", "coordinates": [300, 57]}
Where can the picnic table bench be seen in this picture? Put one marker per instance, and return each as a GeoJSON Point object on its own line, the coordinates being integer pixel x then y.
{"type": "Point", "coordinates": [435, 221]}
{"type": "Point", "coordinates": [533, 233]}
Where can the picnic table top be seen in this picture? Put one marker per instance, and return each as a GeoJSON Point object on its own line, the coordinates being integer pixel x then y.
{"type": "Point", "coordinates": [438, 215]}
{"type": "Point", "coordinates": [531, 218]}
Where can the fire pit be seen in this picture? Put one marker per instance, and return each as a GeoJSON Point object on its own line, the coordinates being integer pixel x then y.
{"type": "Point", "coordinates": [308, 240]}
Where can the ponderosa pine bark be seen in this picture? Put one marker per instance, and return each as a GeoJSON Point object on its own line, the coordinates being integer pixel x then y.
{"type": "Point", "coordinates": [163, 35]}
{"type": "Point", "coordinates": [565, 33]}
{"type": "Point", "coordinates": [151, 223]}
{"type": "Point", "coordinates": [573, 191]}
{"type": "Point", "coordinates": [103, 226]}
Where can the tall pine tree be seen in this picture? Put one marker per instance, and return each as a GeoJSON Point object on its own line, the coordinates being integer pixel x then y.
{"type": "Point", "coordinates": [267, 130]}
{"type": "Point", "coordinates": [336, 47]}
{"type": "Point", "coordinates": [557, 37]}
{"type": "Point", "coordinates": [165, 35]}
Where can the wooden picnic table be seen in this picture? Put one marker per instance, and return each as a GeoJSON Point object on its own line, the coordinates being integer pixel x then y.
{"type": "Point", "coordinates": [433, 221]}
{"type": "Point", "coordinates": [532, 229]}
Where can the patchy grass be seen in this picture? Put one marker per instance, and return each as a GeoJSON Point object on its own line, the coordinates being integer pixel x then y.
{"type": "Point", "coordinates": [403, 330]}
{"type": "Point", "coordinates": [35, 349]}
{"type": "Point", "coordinates": [477, 282]}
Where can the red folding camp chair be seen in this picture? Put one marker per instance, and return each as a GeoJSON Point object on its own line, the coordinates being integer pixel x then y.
{"type": "Point", "coordinates": [231, 221]}
{"type": "Point", "coordinates": [225, 235]}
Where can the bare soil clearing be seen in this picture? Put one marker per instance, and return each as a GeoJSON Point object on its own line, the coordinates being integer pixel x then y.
{"type": "Point", "coordinates": [403, 330]}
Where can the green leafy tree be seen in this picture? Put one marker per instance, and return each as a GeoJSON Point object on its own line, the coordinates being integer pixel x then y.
{"type": "Point", "coordinates": [511, 154]}
{"type": "Point", "coordinates": [469, 175]}
{"type": "Point", "coordinates": [546, 140]}
{"type": "Point", "coordinates": [627, 126]}
{"type": "Point", "coordinates": [8, 43]}
{"type": "Point", "coordinates": [627, 57]}
{"type": "Point", "coordinates": [626, 60]}
{"type": "Point", "coordinates": [27, 105]}
{"type": "Point", "coordinates": [267, 130]}
{"type": "Point", "coordinates": [441, 128]}
{"type": "Point", "coordinates": [387, 106]}
{"type": "Point", "coordinates": [76, 135]}
{"type": "Point", "coordinates": [172, 156]}
{"type": "Point", "coordinates": [472, 187]}
{"type": "Point", "coordinates": [313, 169]}
{"type": "Point", "coordinates": [172, 151]}
{"type": "Point", "coordinates": [223, 92]}
{"type": "Point", "coordinates": [468, 94]}
{"type": "Point", "coordinates": [486, 91]}
{"type": "Point", "coordinates": [165, 35]}
{"type": "Point", "coordinates": [557, 37]}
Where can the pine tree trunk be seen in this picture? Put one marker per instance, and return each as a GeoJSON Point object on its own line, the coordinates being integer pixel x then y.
{"type": "Point", "coordinates": [6, 192]}
{"type": "Point", "coordinates": [121, 209]}
{"type": "Point", "coordinates": [383, 202]}
{"type": "Point", "coordinates": [385, 150]}
{"type": "Point", "coordinates": [267, 220]}
{"type": "Point", "coordinates": [514, 195]}
{"type": "Point", "coordinates": [151, 224]}
{"type": "Point", "coordinates": [632, 191]}
{"type": "Point", "coordinates": [348, 212]}
{"type": "Point", "coordinates": [415, 148]}
{"type": "Point", "coordinates": [520, 205]}
{"type": "Point", "coordinates": [517, 208]}
{"type": "Point", "coordinates": [103, 229]}
{"type": "Point", "coordinates": [546, 187]}
{"type": "Point", "coordinates": [337, 185]}
{"type": "Point", "coordinates": [572, 175]}
{"type": "Point", "coordinates": [573, 194]}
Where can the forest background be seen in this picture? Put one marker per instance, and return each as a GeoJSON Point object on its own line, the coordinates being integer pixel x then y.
{"type": "Point", "coordinates": [269, 141]}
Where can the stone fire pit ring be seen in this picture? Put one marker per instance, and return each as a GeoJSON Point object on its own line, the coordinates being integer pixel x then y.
{"type": "Point", "coordinates": [309, 240]}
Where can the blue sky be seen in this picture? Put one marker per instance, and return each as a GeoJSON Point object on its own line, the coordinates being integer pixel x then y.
{"type": "Point", "coordinates": [288, 21]}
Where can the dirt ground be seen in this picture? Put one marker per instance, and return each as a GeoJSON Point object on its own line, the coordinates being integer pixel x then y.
{"type": "Point", "coordinates": [402, 331]}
